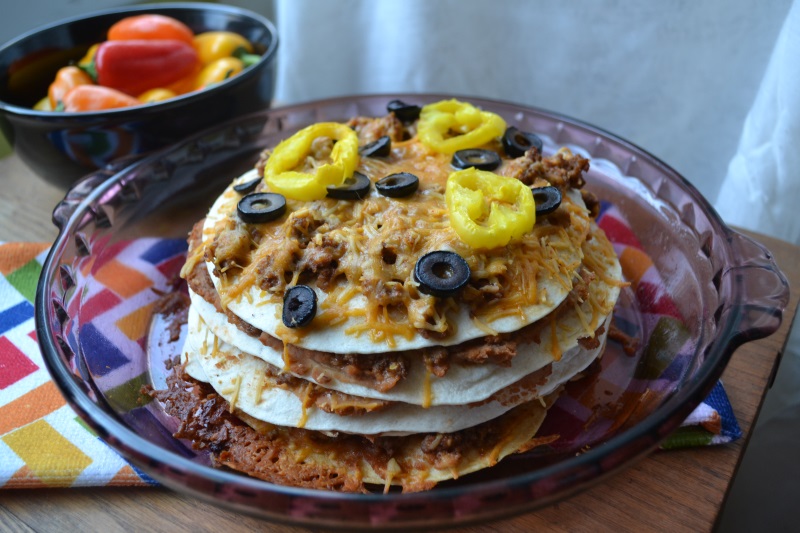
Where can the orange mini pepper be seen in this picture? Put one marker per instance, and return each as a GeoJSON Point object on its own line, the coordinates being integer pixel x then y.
{"type": "Point", "coordinates": [150, 27]}
{"type": "Point", "coordinates": [96, 98]}
{"type": "Point", "coordinates": [187, 83]}
{"type": "Point", "coordinates": [67, 78]}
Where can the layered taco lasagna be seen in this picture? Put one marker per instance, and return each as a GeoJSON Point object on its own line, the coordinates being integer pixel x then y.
{"type": "Point", "coordinates": [394, 300]}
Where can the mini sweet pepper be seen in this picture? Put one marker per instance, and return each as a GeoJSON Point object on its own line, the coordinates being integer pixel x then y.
{"type": "Point", "coordinates": [136, 66]}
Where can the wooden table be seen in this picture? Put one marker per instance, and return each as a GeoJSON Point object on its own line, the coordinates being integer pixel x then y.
{"type": "Point", "coordinates": [680, 490]}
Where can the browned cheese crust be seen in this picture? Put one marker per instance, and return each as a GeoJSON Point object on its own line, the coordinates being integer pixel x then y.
{"type": "Point", "coordinates": [337, 462]}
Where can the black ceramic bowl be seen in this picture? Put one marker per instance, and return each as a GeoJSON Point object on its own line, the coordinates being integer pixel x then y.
{"type": "Point", "coordinates": [62, 147]}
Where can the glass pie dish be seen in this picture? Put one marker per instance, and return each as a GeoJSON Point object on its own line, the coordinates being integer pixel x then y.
{"type": "Point", "coordinates": [698, 291]}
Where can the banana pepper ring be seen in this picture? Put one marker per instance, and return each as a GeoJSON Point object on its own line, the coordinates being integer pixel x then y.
{"type": "Point", "coordinates": [450, 125]}
{"type": "Point", "coordinates": [487, 210]}
{"type": "Point", "coordinates": [290, 153]}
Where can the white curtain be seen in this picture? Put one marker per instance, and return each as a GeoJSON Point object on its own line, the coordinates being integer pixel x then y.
{"type": "Point", "coordinates": [687, 81]}
{"type": "Point", "coordinates": [675, 77]}
{"type": "Point", "coordinates": [762, 188]}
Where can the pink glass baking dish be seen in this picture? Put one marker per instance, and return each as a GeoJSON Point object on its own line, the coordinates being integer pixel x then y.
{"type": "Point", "coordinates": [725, 290]}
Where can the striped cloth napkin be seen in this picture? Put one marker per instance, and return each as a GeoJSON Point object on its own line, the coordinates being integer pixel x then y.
{"type": "Point", "coordinates": [43, 443]}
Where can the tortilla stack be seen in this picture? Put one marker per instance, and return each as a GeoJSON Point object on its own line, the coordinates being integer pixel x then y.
{"type": "Point", "coordinates": [392, 379]}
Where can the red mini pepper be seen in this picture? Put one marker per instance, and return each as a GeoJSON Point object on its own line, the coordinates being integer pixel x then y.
{"type": "Point", "coordinates": [136, 66]}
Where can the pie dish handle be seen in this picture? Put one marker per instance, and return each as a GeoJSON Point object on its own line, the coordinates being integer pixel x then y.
{"type": "Point", "coordinates": [84, 187]}
{"type": "Point", "coordinates": [758, 289]}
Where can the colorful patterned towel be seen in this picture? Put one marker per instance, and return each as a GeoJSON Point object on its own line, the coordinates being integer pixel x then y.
{"type": "Point", "coordinates": [713, 421]}
{"type": "Point", "coordinates": [43, 443]}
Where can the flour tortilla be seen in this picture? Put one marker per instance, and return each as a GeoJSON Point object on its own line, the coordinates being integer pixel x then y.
{"type": "Point", "coordinates": [241, 379]}
{"type": "Point", "coordinates": [463, 383]}
{"type": "Point", "coordinates": [191, 364]}
{"type": "Point", "coordinates": [266, 316]}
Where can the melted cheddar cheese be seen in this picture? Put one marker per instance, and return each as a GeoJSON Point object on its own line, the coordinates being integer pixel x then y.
{"type": "Point", "coordinates": [369, 248]}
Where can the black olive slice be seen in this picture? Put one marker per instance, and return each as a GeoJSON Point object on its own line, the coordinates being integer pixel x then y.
{"type": "Point", "coordinates": [380, 148]}
{"type": "Point", "coordinates": [441, 273]}
{"type": "Point", "coordinates": [516, 142]}
{"type": "Point", "coordinates": [299, 306]}
{"type": "Point", "coordinates": [475, 157]}
{"type": "Point", "coordinates": [398, 185]}
{"type": "Point", "coordinates": [403, 111]}
{"type": "Point", "coordinates": [353, 188]}
{"type": "Point", "coordinates": [247, 186]}
{"type": "Point", "coordinates": [547, 199]}
{"type": "Point", "coordinates": [260, 207]}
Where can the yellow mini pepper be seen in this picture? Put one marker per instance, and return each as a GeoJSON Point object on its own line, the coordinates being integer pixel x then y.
{"type": "Point", "coordinates": [87, 62]}
{"type": "Point", "coordinates": [488, 210]}
{"type": "Point", "coordinates": [156, 95]}
{"type": "Point", "coordinates": [451, 125]}
{"type": "Point", "coordinates": [281, 177]}
{"type": "Point", "coordinates": [213, 45]}
{"type": "Point", "coordinates": [218, 71]}
{"type": "Point", "coordinates": [88, 58]}
{"type": "Point", "coordinates": [43, 104]}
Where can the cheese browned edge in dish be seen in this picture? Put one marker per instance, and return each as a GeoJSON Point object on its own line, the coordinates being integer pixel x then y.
{"type": "Point", "coordinates": [371, 307]}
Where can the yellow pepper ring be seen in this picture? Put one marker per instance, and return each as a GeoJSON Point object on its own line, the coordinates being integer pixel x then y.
{"type": "Point", "coordinates": [290, 153]}
{"type": "Point", "coordinates": [471, 126]}
{"type": "Point", "coordinates": [487, 210]}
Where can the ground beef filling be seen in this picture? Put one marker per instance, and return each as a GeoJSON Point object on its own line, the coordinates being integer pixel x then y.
{"type": "Point", "coordinates": [328, 400]}
{"type": "Point", "coordinates": [200, 283]}
{"type": "Point", "coordinates": [563, 169]}
{"type": "Point", "coordinates": [370, 129]}
{"type": "Point", "coordinates": [174, 305]}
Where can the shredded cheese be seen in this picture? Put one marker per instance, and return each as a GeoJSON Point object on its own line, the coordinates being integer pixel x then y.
{"type": "Point", "coordinates": [555, 348]}
{"type": "Point", "coordinates": [427, 396]}
{"type": "Point", "coordinates": [370, 248]}
{"type": "Point", "coordinates": [259, 390]}
{"type": "Point", "coordinates": [305, 403]}
{"type": "Point", "coordinates": [235, 396]}
{"type": "Point", "coordinates": [287, 362]}
{"type": "Point", "coordinates": [483, 327]}
{"type": "Point", "coordinates": [392, 469]}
